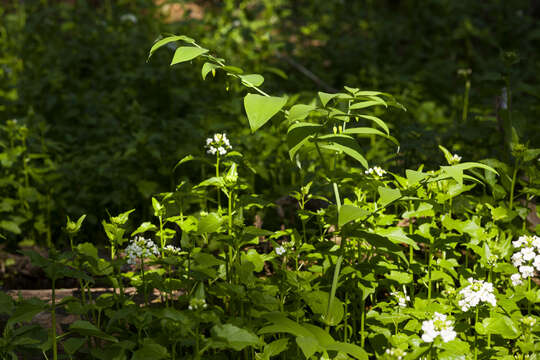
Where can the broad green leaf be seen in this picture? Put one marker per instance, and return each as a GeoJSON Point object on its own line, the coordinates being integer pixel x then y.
{"type": "Point", "coordinates": [318, 303]}
{"type": "Point", "coordinates": [326, 97]}
{"type": "Point", "coordinates": [260, 109]}
{"type": "Point", "coordinates": [300, 112]}
{"type": "Point", "coordinates": [400, 277]}
{"type": "Point", "coordinates": [344, 143]}
{"type": "Point", "coordinates": [369, 131]}
{"type": "Point", "coordinates": [208, 67]}
{"type": "Point", "coordinates": [235, 337]}
{"type": "Point", "coordinates": [365, 104]}
{"type": "Point", "coordinates": [6, 304]}
{"type": "Point", "coordinates": [397, 236]}
{"type": "Point", "coordinates": [86, 328]}
{"type": "Point", "coordinates": [122, 218]}
{"type": "Point", "coordinates": [351, 349]}
{"type": "Point", "coordinates": [349, 213]}
{"type": "Point", "coordinates": [281, 324]}
{"type": "Point", "coordinates": [151, 351]}
{"type": "Point", "coordinates": [10, 226]}
{"type": "Point", "coordinates": [209, 223]}
{"type": "Point", "coordinates": [167, 40]}
{"type": "Point", "coordinates": [251, 80]}
{"type": "Point", "coordinates": [275, 347]}
{"type": "Point", "coordinates": [71, 345]}
{"type": "Point", "coordinates": [308, 345]}
{"type": "Point", "coordinates": [299, 134]}
{"type": "Point", "coordinates": [388, 195]}
{"type": "Point", "coordinates": [233, 69]}
{"type": "Point", "coordinates": [500, 325]}
{"type": "Point", "coordinates": [377, 121]}
{"type": "Point", "coordinates": [414, 177]}
{"type": "Point", "coordinates": [186, 53]}
{"type": "Point", "coordinates": [144, 227]}
{"type": "Point", "coordinates": [205, 260]}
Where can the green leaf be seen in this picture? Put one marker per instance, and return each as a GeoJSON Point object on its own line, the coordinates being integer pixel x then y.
{"type": "Point", "coordinates": [388, 195]}
{"type": "Point", "coordinates": [208, 67]}
{"type": "Point", "coordinates": [345, 143]}
{"type": "Point", "coordinates": [209, 223]}
{"type": "Point", "coordinates": [351, 349]}
{"type": "Point", "coordinates": [414, 177]}
{"type": "Point", "coordinates": [300, 112]}
{"type": "Point", "coordinates": [369, 131]}
{"type": "Point", "coordinates": [377, 121]}
{"type": "Point", "coordinates": [186, 53]}
{"type": "Point", "coordinates": [71, 345]}
{"type": "Point", "coordinates": [10, 226]}
{"type": "Point", "coordinates": [318, 303]}
{"type": "Point", "coordinates": [167, 40]}
{"type": "Point", "coordinates": [251, 80]}
{"type": "Point", "coordinates": [235, 337]}
{"type": "Point", "coordinates": [400, 277]}
{"type": "Point", "coordinates": [365, 104]}
{"type": "Point", "coordinates": [299, 134]}
{"type": "Point", "coordinates": [308, 345]}
{"type": "Point", "coordinates": [150, 351]}
{"type": "Point", "coordinates": [6, 304]}
{"type": "Point", "coordinates": [260, 109]}
{"type": "Point", "coordinates": [144, 227]}
{"type": "Point", "coordinates": [500, 325]}
{"type": "Point", "coordinates": [349, 213]}
{"type": "Point", "coordinates": [86, 328]}
{"type": "Point", "coordinates": [275, 348]}
{"type": "Point", "coordinates": [325, 97]}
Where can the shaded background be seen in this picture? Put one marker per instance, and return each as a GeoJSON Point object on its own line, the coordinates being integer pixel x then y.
{"type": "Point", "coordinates": [99, 129]}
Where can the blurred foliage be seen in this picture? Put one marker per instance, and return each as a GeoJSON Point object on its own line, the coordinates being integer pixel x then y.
{"type": "Point", "coordinates": [74, 74]}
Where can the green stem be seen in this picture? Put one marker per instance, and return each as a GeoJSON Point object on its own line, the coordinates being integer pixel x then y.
{"type": "Point", "coordinates": [53, 320]}
{"type": "Point", "coordinates": [144, 283]}
{"type": "Point", "coordinates": [476, 336]}
{"type": "Point", "coordinates": [362, 319]}
{"type": "Point", "coordinates": [513, 185]}
{"type": "Point", "coordinates": [466, 101]}
{"type": "Point", "coordinates": [219, 190]}
{"type": "Point", "coordinates": [429, 272]}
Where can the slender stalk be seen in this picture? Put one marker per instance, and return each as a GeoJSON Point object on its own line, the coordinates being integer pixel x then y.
{"type": "Point", "coordinates": [362, 319]}
{"type": "Point", "coordinates": [145, 292]}
{"type": "Point", "coordinates": [476, 336]}
{"type": "Point", "coordinates": [219, 190]}
{"type": "Point", "coordinates": [429, 272]}
{"type": "Point", "coordinates": [466, 101]}
{"type": "Point", "coordinates": [53, 320]}
{"type": "Point", "coordinates": [512, 186]}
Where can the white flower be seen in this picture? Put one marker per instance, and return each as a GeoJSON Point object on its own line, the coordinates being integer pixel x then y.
{"type": "Point", "coordinates": [280, 250]}
{"type": "Point", "coordinates": [536, 242]}
{"type": "Point", "coordinates": [516, 279]}
{"type": "Point", "coordinates": [397, 354]}
{"type": "Point", "coordinates": [477, 291]}
{"type": "Point", "coordinates": [196, 304]}
{"type": "Point", "coordinates": [402, 298]}
{"type": "Point", "coordinates": [528, 321]}
{"type": "Point", "coordinates": [218, 144]}
{"type": "Point", "coordinates": [438, 326]}
{"type": "Point", "coordinates": [522, 240]}
{"type": "Point", "coordinates": [128, 17]}
{"type": "Point", "coordinates": [376, 170]}
{"type": "Point", "coordinates": [536, 262]}
{"type": "Point", "coordinates": [528, 253]}
{"type": "Point", "coordinates": [517, 259]}
{"type": "Point", "coordinates": [140, 247]}
{"type": "Point", "coordinates": [526, 271]}
{"type": "Point", "coordinates": [455, 159]}
{"type": "Point", "coordinates": [172, 250]}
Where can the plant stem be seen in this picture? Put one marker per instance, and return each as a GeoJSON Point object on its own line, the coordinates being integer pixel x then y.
{"type": "Point", "coordinates": [219, 190]}
{"type": "Point", "coordinates": [512, 186]}
{"type": "Point", "coordinates": [476, 336]}
{"type": "Point", "coordinates": [53, 320]}
{"type": "Point", "coordinates": [466, 101]}
{"type": "Point", "coordinates": [144, 283]}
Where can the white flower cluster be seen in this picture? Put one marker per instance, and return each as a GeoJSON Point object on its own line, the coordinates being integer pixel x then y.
{"type": "Point", "coordinates": [196, 304]}
{"type": "Point", "coordinates": [397, 354]}
{"type": "Point", "coordinates": [438, 326]}
{"type": "Point", "coordinates": [477, 291]}
{"type": "Point", "coordinates": [376, 170]}
{"type": "Point", "coordinates": [401, 297]}
{"type": "Point", "coordinates": [218, 144]}
{"type": "Point", "coordinates": [280, 250]}
{"type": "Point", "coordinates": [140, 248]}
{"type": "Point", "coordinates": [526, 258]}
{"type": "Point", "coordinates": [455, 159]}
{"type": "Point", "coordinates": [528, 321]}
{"type": "Point", "coordinates": [172, 250]}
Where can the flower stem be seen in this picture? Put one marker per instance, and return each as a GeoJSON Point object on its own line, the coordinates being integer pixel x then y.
{"type": "Point", "coordinates": [476, 336]}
